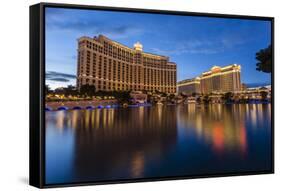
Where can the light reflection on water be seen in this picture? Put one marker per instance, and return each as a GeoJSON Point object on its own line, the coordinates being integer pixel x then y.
{"type": "Point", "coordinates": [105, 144]}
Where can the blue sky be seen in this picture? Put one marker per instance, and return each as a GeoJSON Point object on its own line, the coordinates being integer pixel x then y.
{"type": "Point", "coordinates": [195, 44]}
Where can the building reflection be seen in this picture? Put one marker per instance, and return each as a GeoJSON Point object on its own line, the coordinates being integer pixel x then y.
{"type": "Point", "coordinates": [60, 120]}
{"type": "Point", "coordinates": [107, 141]}
{"type": "Point", "coordinates": [137, 164]}
{"type": "Point", "coordinates": [224, 127]}
{"type": "Point", "coordinates": [133, 142]}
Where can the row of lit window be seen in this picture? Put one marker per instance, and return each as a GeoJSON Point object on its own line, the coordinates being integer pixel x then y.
{"type": "Point", "coordinates": [128, 57]}
{"type": "Point", "coordinates": [105, 59]}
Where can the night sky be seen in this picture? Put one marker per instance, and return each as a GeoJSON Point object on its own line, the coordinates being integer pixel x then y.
{"type": "Point", "coordinates": [195, 44]}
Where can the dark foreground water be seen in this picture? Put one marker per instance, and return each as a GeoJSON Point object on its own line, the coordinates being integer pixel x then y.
{"type": "Point", "coordinates": [159, 141]}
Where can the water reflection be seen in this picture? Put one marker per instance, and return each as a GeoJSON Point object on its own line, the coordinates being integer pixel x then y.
{"type": "Point", "coordinates": [220, 126]}
{"type": "Point", "coordinates": [157, 141]}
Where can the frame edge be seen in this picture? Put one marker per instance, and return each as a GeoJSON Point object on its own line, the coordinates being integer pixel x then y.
{"type": "Point", "coordinates": [35, 166]}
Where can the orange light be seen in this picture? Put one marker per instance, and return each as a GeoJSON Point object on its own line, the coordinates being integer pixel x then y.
{"type": "Point", "coordinates": [218, 137]}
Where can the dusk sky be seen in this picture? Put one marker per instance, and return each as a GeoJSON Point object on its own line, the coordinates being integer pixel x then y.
{"type": "Point", "coordinates": [195, 44]}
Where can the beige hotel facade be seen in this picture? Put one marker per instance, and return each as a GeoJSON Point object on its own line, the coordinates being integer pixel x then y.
{"type": "Point", "coordinates": [109, 66]}
{"type": "Point", "coordinates": [217, 79]}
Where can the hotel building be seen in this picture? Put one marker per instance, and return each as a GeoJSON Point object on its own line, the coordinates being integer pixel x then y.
{"type": "Point", "coordinates": [190, 86]}
{"type": "Point", "coordinates": [109, 66]}
{"type": "Point", "coordinates": [218, 79]}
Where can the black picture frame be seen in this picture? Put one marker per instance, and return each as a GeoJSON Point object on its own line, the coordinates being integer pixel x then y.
{"type": "Point", "coordinates": [37, 91]}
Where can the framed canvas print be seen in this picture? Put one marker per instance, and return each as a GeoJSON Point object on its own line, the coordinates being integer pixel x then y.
{"type": "Point", "coordinates": [127, 95]}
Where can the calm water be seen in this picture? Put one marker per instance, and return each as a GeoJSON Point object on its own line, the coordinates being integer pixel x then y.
{"type": "Point", "coordinates": [106, 144]}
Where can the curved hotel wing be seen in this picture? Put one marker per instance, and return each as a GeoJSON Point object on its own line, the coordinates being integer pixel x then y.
{"type": "Point", "coordinates": [109, 66]}
{"type": "Point", "coordinates": [218, 79]}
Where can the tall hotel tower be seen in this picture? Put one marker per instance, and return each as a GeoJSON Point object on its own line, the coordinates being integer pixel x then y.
{"type": "Point", "coordinates": [109, 66]}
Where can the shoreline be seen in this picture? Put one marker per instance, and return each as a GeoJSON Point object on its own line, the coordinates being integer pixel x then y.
{"type": "Point", "coordinates": [108, 104]}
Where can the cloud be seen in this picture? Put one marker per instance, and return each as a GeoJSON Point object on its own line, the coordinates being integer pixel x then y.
{"type": "Point", "coordinates": [192, 47]}
{"type": "Point", "coordinates": [59, 79]}
{"type": "Point", "coordinates": [70, 24]}
{"type": "Point", "coordinates": [65, 23]}
{"type": "Point", "coordinates": [233, 41]}
{"type": "Point", "coordinates": [198, 46]}
{"type": "Point", "coordinates": [58, 76]}
{"type": "Point", "coordinates": [66, 59]}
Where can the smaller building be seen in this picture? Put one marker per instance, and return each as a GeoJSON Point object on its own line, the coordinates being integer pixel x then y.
{"type": "Point", "coordinates": [189, 86]}
{"type": "Point", "coordinates": [221, 79]}
{"type": "Point", "coordinates": [216, 80]}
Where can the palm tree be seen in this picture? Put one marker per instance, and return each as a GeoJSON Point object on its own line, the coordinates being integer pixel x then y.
{"type": "Point", "coordinates": [88, 90]}
{"type": "Point", "coordinates": [206, 99]}
{"type": "Point", "coordinates": [124, 97]}
{"type": "Point", "coordinates": [263, 95]}
{"type": "Point", "coordinates": [47, 89]}
{"type": "Point", "coordinates": [228, 96]}
{"type": "Point", "coordinates": [264, 57]}
{"type": "Point", "coordinates": [70, 90]}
